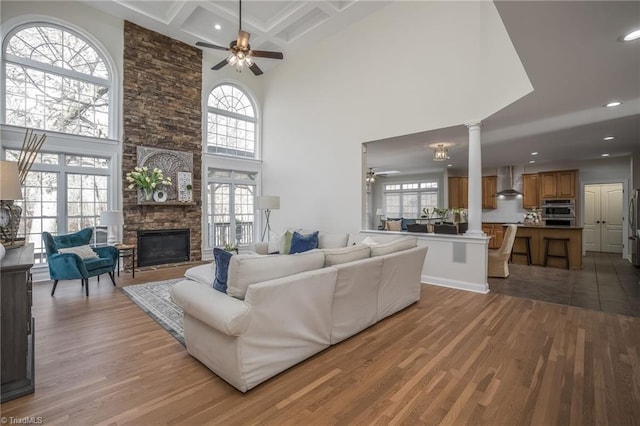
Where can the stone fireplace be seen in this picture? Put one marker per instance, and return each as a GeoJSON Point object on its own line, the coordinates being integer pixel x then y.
{"type": "Point", "coordinates": [162, 109]}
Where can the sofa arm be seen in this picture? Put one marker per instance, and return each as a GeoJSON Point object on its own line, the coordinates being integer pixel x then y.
{"type": "Point", "coordinates": [224, 313]}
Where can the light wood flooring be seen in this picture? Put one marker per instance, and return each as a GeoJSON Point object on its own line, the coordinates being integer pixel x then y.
{"type": "Point", "coordinates": [453, 358]}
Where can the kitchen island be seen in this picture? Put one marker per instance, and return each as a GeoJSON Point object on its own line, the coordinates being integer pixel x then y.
{"type": "Point", "coordinates": [537, 234]}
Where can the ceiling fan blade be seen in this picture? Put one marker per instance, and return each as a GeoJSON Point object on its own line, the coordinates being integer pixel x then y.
{"type": "Point", "coordinates": [220, 65]}
{"type": "Point", "coordinates": [212, 46]}
{"type": "Point", "coordinates": [243, 39]}
{"type": "Point", "coordinates": [255, 69]}
{"type": "Point", "coordinates": [266, 54]}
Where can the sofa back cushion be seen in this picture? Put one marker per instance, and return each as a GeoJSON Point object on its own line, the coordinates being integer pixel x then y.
{"type": "Point", "coordinates": [403, 243]}
{"type": "Point", "coordinates": [337, 256]}
{"type": "Point", "coordinates": [330, 241]}
{"type": "Point", "coordinates": [247, 269]}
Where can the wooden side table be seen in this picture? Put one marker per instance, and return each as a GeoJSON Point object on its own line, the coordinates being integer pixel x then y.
{"type": "Point", "coordinates": [125, 251]}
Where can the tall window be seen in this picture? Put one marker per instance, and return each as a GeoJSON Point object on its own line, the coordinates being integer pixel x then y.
{"type": "Point", "coordinates": [62, 193]}
{"type": "Point", "coordinates": [56, 80]}
{"type": "Point", "coordinates": [231, 122]}
{"type": "Point", "coordinates": [408, 199]}
{"type": "Point", "coordinates": [230, 210]}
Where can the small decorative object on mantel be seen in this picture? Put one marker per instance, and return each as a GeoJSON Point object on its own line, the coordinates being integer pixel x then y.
{"type": "Point", "coordinates": [160, 196]}
{"type": "Point", "coordinates": [147, 181]}
{"type": "Point", "coordinates": [185, 187]}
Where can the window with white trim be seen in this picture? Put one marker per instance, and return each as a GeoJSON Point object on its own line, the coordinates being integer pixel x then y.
{"type": "Point", "coordinates": [231, 122]}
{"type": "Point", "coordinates": [56, 80]}
{"type": "Point", "coordinates": [230, 207]}
{"type": "Point", "coordinates": [63, 193]}
{"type": "Point", "coordinates": [408, 199]}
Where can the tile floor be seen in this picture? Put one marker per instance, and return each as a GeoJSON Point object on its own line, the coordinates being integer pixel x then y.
{"type": "Point", "coordinates": [606, 283]}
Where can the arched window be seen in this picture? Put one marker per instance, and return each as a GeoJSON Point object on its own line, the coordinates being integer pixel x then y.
{"type": "Point", "coordinates": [56, 80]}
{"type": "Point", "coordinates": [231, 122]}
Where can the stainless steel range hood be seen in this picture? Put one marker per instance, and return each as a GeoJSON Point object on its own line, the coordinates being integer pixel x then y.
{"type": "Point", "coordinates": [509, 189]}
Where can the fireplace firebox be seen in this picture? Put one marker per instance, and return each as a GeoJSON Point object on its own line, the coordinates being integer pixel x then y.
{"type": "Point", "coordinates": [163, 246]}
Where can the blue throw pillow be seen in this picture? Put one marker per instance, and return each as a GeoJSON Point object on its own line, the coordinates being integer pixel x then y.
{"type": "Point", "coordinates": [222, 259]}
{"type": "Point", "coordinates": [301, 243]}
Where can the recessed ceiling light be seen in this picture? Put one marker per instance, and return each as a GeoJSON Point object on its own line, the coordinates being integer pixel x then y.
{"type": "Point", "coordinates": [449, 165]}
{"type": "Point", "coordinates": [633, 35]}
{"type": "Point", "coordinates": [534, 153]}
{"type": "Point", "coordinates": [609, 138]}
{"type": "Point", "coordinates": [532, 161]}
{"type": "Point", "coordinates": [613, 104]}
{"type": "Point", "coordinates": [605, 155]}
{"type": "Point", "coordinates": [217, 27]}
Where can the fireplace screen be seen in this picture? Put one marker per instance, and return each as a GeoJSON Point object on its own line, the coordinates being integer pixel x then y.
{"type": "Point", "coordinates": [165, 246]}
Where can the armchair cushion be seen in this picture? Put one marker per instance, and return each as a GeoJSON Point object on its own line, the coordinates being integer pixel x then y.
{"type": "Point", "coordinates": [85, 251]}
{"type": "Point", "coordinates": [97, 263]}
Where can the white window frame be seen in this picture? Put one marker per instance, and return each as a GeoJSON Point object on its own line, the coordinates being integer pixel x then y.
{"type": "Point", "coordinates": [418, 191]}
{"type": "Point", "coordinates": [18, 24]}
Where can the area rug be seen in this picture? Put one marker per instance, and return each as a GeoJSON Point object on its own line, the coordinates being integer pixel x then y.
{"type": "Point", "coordinates": [154, 299]}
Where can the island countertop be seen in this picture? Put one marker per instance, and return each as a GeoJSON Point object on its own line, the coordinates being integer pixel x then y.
{"type": "Point", "coordinates": [526, 225]}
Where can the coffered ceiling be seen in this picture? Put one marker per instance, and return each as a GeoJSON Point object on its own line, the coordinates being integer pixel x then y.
{"type": "Point", "coordinates": [569, 49]}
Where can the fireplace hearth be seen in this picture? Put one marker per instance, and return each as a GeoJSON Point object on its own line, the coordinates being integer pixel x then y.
{"type": "Point", "coordinates": [163, 246]}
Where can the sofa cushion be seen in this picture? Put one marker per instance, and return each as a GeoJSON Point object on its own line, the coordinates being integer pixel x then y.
{"type": "Point", "coordinates": [406, 222]}
{"type": "Point", "coordinates": [247, 269]}
{"type": "Point", "coordinates": [222, 258]}
{"type": "Point", "coordinates": [394, 246]}
{"type": "Point", "coordinates": [337, 256]}
{"type": "Point", "coordinates": [280, 242]}
{"type": "Point", "coordinates": [394, 225]}
{"type": "Point", "coordinates": [301, 243]}
{"type": "Point", "coordinates": [84, 251]}
{"type": "Point", "coordinates": [330, 241]}
{"type": "Point", "coordinates": [204, 274]}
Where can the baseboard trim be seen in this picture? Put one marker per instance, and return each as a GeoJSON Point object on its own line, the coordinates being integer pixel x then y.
{"type": "Point", "coordinates": [458, 285]}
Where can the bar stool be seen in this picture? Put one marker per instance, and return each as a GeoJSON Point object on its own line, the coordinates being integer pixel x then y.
{"type": "Point", "coordinates": [527, 249]}
{"type": "Point", "coordinates": [564, 255]}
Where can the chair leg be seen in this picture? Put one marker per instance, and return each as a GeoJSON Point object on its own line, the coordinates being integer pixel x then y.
{"type": "Point", "coordinates": [55, 284]}
{"type": "Point", "coordinates": [112, 278]}
{"type": "Point", "coordinates": [98, 278]}
{"type": "Point", "coordinates": [86, 287]}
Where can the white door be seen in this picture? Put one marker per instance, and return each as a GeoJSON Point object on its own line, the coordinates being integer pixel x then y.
{"type": "Point", "coordinates": [591, 230]}
{"type": "Point", "coordinates": [611, 218]}
{"type": "Point", "coordinates": [603, 218]}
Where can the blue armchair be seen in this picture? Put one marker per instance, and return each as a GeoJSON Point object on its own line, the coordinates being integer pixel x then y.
{"type": "Point", "coordinates": [70, 266]}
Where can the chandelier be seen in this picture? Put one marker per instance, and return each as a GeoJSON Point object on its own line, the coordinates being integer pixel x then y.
{"type": "Point", "coordinates": [440, 153]}
{"type": "Point", "coordinates": [371, 176]}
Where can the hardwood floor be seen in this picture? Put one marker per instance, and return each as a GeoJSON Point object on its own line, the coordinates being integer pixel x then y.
{"type": "Point", "coordinates": [453, 358]}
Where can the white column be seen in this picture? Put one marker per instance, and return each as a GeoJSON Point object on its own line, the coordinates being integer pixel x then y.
{"type": "Point", "coordinates": [475, 181]}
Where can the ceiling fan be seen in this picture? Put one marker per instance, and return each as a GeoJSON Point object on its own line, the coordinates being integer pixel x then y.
{"type": "Point", "coordinates": [241, 53]}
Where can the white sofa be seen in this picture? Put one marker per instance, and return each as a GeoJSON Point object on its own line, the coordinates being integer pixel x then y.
{"type": "Point", "coordinates": [286, 319]}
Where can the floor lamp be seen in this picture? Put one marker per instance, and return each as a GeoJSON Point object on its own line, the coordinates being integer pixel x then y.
{"type": "Point", "coordinates": [267, 203]}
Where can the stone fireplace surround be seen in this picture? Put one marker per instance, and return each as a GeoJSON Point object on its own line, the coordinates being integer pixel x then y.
{"type": "Point", "coordinates": [162, 108]}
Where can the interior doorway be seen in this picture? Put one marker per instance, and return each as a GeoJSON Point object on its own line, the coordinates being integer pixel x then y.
{"type": "Point", "coordinates": [603, 213]}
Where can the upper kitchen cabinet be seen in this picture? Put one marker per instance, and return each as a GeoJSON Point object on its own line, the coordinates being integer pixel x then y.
{"type": "Point", "coordinates": [530, 191]}
{"type": "Point", "coordinates": [459, 192]}
{"type": "Point", "coordinates": [560, 184]}
{"type": "Point", "coordinates": [489, 189]}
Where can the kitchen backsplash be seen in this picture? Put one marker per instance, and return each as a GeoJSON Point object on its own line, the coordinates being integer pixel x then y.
{"type": "Point", "coordinates": [509, 210]}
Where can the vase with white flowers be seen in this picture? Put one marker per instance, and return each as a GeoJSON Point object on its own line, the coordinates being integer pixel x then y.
{"type": "Point", "coordinates": [147, 180]}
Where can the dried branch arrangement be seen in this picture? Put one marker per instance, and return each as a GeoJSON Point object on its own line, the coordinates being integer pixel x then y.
{"type": "Point", "coordinates": [30, 148]}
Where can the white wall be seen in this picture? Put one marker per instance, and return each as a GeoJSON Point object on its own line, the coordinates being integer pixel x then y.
{"type": "Point", "coordinates": [366, 83]}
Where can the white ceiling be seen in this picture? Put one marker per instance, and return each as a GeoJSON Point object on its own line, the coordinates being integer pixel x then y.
{"type": "Point", "coordinates": [569, 49]}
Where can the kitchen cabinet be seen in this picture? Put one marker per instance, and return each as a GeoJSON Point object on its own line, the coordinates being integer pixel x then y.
{"type": "Point", "coordinates": [489, 189]}
{"type": "Point", "coordinates": [561, 184]}
{"type": "Point", "coordinates": [496, 232]}
{"type": "Point", "coordinates": [530, 191]}
{"type": "Point", "coordinates": [459, 192]}
{"type": "Point", "coordinates": [17, 334]}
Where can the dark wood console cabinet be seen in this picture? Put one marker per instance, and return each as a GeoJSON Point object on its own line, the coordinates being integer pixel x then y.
{"type": "Point", "coordinates": [16, 326]}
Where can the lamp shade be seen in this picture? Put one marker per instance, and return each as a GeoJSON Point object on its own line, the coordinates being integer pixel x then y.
{"type": "Point", "coordinates": [9, 181]}
{"type": "Point", "coordinates": [110, 218]}
{"type": "Point", "coordinates": [268, 202]}
{"type": "Point", "coordinates": [379, 212]}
